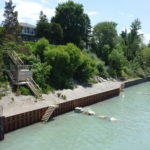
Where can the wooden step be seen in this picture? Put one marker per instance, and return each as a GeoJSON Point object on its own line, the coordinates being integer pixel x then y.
{"type": "Point", "coordinates": [48, 113]}
{"type": "Point", "coordinates": [34, 87]}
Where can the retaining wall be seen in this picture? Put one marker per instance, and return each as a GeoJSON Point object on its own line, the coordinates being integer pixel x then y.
{"type": "Point", "coordinates": [135, 82]}
{"type": "Point", "coordinates": [1, 128]}
{"type": "Point", "coordinates": [24, 119]}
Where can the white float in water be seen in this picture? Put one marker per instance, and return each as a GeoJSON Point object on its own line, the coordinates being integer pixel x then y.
{"type": "Point", "coordinates": [113, 119]}
{"type": "Point", "coordinates": [103, 117]}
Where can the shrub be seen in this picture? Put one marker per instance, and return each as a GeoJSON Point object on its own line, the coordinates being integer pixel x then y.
{"type": "Point", "coordinates": [41, 74]}
{"type": "Point", "coordinates": [64, 61]}
{"type": "Point", "coordinates": [86, 70]}
{"type": "Point", "coordinates": [40, 47]}
{"type": "Point", "coordinates": [24, 90]}
{"type": "Point", "coordinates": [116, 62]}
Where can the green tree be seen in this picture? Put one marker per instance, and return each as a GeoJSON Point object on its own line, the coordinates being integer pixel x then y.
{"type": "Point", "coordinates": [2, 35]}
{"type": "Point", "coordinates": [11, 24]}
{"type": "Point", "coordinates": [145, 54]}
{"type": "Point", "coordinates": [86, 70]}
{"type": "Point", "coordinates": [56, 33]}
{"type": "Point", "coordinates": [42, 27]}
{"type": "Point", "coordinates": [87, 35]}
{"type": "Point", "coordinates": [60, 61]}
{"type": "Point", "coordinates": [104, 39]}
{"type": "Point", "coordinates": [116, 61]}
{"type": "Point", "coordinates": [132, 40]}
{"type": "Point", "coordinates": [72, 19]}
{"type": "Point", "coordinates": [40, 47]}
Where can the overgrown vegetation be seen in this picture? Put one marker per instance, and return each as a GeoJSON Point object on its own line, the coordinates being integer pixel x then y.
{"type": "Point", "coordinates": [66, 48]}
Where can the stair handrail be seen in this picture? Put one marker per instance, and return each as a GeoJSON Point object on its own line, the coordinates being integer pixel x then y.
{"type": "Point", "coordinates": [31, 79]}
{"type": "Point", "coordinates": [36, 91]}
{"type": "Point", "coordinates": [15, 54]}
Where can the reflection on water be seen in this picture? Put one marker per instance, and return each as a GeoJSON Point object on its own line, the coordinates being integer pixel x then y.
{"type": "Point", "coordinates": [80, 132]}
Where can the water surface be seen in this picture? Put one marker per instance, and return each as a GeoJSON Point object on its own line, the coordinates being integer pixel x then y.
{"type": "Point", "coordinates": [73, 131]}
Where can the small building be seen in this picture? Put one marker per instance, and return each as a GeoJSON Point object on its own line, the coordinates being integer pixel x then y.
{"type": "Point", "coordinates": [28, 32]}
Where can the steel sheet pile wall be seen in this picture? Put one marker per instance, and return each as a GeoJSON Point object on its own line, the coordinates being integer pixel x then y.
{"type": "Point", "coordinates": [135, 82]}
{"type": "Point", "coordinates": [24, 119]}
{"type": "Point", "coordinates": [17, 121]}
{"type": "Point", "coordinates": [1, 128]}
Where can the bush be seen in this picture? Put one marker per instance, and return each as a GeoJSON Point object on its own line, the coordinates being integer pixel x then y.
{"type": "Point", "coordinates": [86, 70]}
{"type": "Point", "coordinates": [41, 74]}
{"type": "Point", "coordinates": [100, 65]}
{"type": "Point", "coordinates": [64, 61]}
{"type": "Point", "coordinates": [25, 91]}
{"type": "Point", "coordinates": [40, 47]}
{"type": "Point", "coordinates": [59, 60]}
{"type": "Point", "coordinates": [116, 62]}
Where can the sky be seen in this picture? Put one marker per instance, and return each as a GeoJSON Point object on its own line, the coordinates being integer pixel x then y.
{"type": "Point", "coordinates": [123, 12]}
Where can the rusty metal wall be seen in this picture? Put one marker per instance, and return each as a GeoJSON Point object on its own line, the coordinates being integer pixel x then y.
{"type": "Point", "coordinates": [24, 119]}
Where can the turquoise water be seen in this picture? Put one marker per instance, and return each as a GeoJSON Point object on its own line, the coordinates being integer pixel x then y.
{"type": "Point", "coordinates": [73, 131]}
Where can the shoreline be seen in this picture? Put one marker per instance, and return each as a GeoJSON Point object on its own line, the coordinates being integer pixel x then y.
{"type": "Point", "coordinates": [13, 105]}
{"type": "Point", "coordinates": [13, 122]}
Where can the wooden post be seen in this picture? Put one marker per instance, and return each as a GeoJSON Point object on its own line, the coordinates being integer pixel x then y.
{"type": "Point", "coordinates": [1, 128]}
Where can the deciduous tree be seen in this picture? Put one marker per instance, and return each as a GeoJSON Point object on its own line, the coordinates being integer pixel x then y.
{"type": "Point", "coordinates": [73, 21]}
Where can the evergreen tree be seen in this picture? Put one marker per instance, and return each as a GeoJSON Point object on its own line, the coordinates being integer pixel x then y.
{"type": "Point", "coordinates": [11, 24]}
{"type": "Point", "coordinates": [132, 40]}
{"type": "Point", "coordinates": [43, 27]}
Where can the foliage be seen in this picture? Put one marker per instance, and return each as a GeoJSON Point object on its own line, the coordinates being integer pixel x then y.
{"type": "Point", "coordinates": [86, 70]}
{"type": "Point", "coordinates": [73, 21]}
{"type": "Point", "coordinates": [41, 46]}
{"type": "Point", "coordinates": [1, 65]}
{"type": "Point", "coordinates": [59, 60]}
{"type": "Point", "coordinates": [2, 35]}
{"type": "Point", "coordinates": [104, 39]}
{"type": "Point", "coordinates": [56, 33]}
{"type": "Point", "coordinates": [132, 40]}
{"type": "Point", "coordinates": [11, 24]}
{"type": "Point", "coordinates": [87, 35]}
{"type": "Point", "coordinates": [117, 61]}
{"type": "Point", "coordinates": [100, 65]}
{"type": "Point", "coordinates": [145, 54]}
{"type": "Point", "coordinates": [41, 74]}
{"type": "Point", "coordinates": [24, 90]}
{"type": "Point", "coordinates": [42, 27]}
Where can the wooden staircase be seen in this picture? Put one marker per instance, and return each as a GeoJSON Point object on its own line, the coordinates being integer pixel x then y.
{"type": "Point", "coordinates": [34, 87]}
{"type": "Point", "coordinates": [28, 81]}
{"type": "Point", "coordinates": [16, 60]}
{"type": "Point", "coordinates": [10, 76]}
{"type": "Point", "coordinates": [48, 113]}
